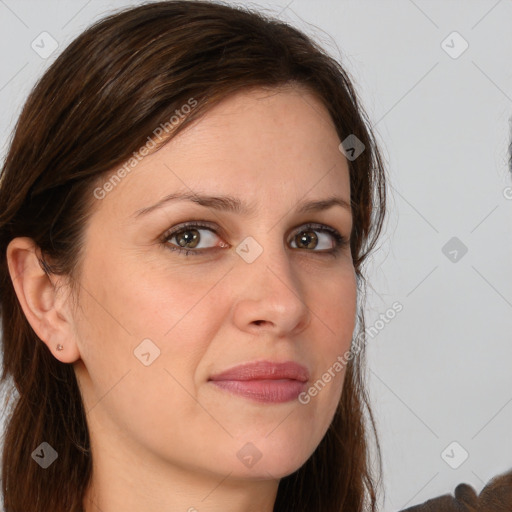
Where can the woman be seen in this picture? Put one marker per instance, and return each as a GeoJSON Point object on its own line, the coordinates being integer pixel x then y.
{"type": "Point", "coordinates": [186, 206]}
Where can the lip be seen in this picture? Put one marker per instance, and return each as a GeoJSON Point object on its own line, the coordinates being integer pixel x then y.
{"type": "Point", "coordinates": [264, 381]}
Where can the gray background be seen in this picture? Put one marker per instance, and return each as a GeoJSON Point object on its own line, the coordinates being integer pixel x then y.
{"type": "Point", "coordinates": [439, 372]}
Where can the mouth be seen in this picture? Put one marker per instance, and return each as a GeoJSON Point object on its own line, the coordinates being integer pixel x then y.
{"type": "Point", "coordinates": [264, 381]}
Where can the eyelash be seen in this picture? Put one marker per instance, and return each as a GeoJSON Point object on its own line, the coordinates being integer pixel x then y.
{"type": "Point", "coordinates": [341, 241]}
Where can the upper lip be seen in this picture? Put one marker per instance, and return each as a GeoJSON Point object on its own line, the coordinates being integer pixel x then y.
{"type": "Point", "coordinates": [260, 370]}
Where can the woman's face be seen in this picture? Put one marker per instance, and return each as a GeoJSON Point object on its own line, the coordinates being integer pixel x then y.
{"type": "Point", "coordinates": [156, 326]}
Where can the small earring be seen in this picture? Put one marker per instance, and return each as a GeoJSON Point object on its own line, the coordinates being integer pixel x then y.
{"type": "Point", "coordinates": [60, 347]}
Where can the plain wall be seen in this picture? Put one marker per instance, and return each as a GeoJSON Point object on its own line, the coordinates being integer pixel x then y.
{"type": "Point", "coordinates": [439, 371]}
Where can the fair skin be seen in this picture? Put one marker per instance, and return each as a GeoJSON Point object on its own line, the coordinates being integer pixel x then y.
{"type": "Point", "coordinates": [163, 437]}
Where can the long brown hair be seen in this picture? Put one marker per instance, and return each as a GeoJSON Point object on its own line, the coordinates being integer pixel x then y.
{"type": "Point", "coordinates": [92, 109]}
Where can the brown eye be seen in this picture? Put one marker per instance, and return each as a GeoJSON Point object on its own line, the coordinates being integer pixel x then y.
{"type": "Point", "coordinates": [188, 238]}
{"type": "Point", "coordinates": [306, 240]}
{"type": "Point", "coordinates": [318, 238]}
{"type": "Point", "coordinates": [193, 239]}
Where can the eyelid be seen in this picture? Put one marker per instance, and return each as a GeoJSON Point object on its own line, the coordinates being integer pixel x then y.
{"type": "Point", "coordinates": [191, 224]}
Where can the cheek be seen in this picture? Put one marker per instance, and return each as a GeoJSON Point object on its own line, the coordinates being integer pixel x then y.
{"type": "Point", "coordinates": [335, 314]}
{"type": "Point", "coordinates": [156, 315]}
{"type": "Point", "coordinates": [149, 299]}
{"type": "Point", "coordinates": [166, 319]}
{"type": "Point", "coordinates": [334, 306]}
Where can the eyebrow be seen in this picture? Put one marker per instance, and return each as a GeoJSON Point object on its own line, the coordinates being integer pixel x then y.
{"type": "Point", "coordinates": [233, 204]}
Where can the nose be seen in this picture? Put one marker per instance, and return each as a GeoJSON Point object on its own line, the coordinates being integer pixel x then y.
{"type": "Point", "coordinates": [270, 295]}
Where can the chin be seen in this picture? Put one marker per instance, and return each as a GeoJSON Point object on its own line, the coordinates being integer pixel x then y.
{"type": "Point", "coordinates": [278, 463]}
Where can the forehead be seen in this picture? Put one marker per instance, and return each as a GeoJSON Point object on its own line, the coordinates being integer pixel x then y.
{"type": "Point", "coordinates": [289, 120]}
{"type": "Point", "coordinates": [260, 143]}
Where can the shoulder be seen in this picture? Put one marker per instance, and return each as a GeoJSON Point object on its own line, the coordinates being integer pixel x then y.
{"type": "Point", "coordinates": [495, 497]}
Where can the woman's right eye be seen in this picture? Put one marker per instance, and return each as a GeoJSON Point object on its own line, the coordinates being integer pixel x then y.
{"type": "Point", "coordinates": [188, 239]}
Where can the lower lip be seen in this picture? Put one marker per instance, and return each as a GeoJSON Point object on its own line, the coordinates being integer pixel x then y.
{"type": "Point", "coordinates": [267, 391]}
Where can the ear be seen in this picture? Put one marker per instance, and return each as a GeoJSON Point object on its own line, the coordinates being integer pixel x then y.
{"type": "Point", "coordinates": [46, 310]}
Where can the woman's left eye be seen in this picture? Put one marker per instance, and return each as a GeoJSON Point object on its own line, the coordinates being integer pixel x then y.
{"type": "Point", "coordinates": [310, 236]}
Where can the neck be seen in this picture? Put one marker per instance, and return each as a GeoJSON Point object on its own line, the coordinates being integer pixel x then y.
{"type": "Point", "coordinates": [131, 481]}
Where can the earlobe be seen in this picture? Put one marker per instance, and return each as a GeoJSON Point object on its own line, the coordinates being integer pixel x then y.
{"type": "Point", "coordinates": [37, 295]}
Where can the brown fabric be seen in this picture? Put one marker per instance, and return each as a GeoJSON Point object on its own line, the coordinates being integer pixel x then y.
{"type": "Point", "coordinates": [495, 497]}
